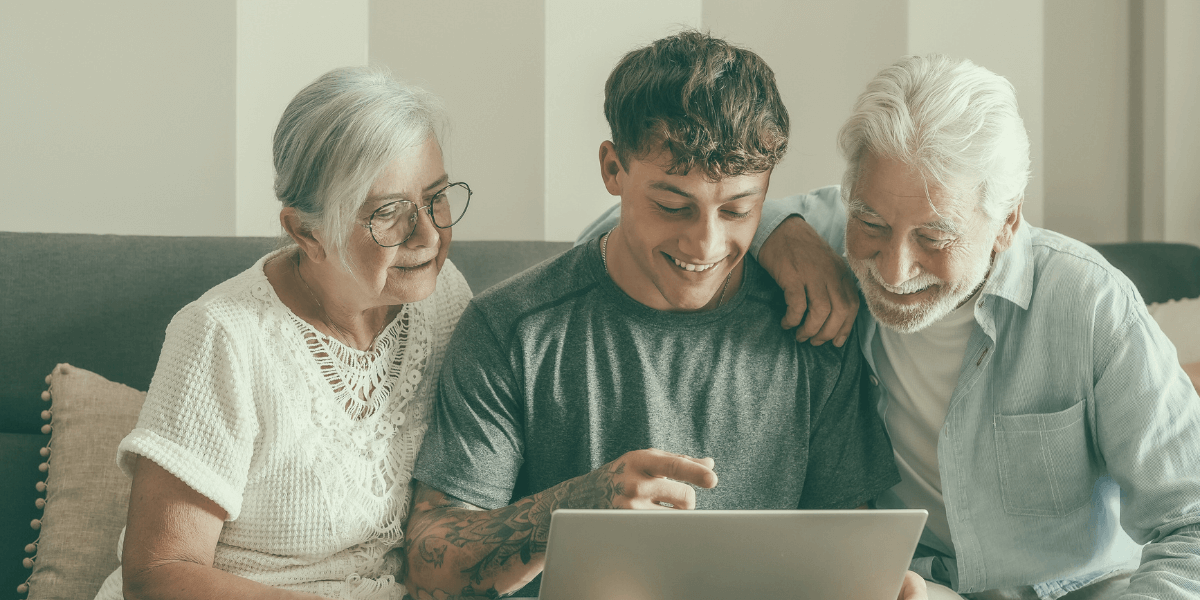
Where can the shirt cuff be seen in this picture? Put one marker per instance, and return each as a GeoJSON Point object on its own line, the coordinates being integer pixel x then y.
{"type": "Point", "coordinates": [773, 214]}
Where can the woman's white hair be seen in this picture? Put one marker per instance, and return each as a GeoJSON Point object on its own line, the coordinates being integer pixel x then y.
{"type": "Point", "coordinates": [336, 137]}
{"type": "Point", "coordinates": [955, 122]}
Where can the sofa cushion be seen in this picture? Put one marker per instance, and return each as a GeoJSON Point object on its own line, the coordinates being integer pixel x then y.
{"type": "Point", "coordinates": [86, 493]}
{"type": "Point", "coordinates": [1180, 320]}
{"type": "Point", "coordinates": [101, 302]}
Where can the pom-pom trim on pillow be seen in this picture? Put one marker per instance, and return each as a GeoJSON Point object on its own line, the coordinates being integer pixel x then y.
{"type": "Point", "coordinates": [40, 502]}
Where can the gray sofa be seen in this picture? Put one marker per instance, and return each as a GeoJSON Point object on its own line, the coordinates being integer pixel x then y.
{"type": "Point", "coordinates": [102, 303]}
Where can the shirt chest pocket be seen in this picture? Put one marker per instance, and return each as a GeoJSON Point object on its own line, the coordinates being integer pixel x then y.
{"type": "Point", "coordinates": [1045, 464]}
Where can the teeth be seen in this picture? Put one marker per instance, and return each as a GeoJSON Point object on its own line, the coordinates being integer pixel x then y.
{"type": "Point", "coordinates": [691, 267]}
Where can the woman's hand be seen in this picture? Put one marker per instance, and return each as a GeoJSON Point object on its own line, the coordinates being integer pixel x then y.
{"type": "Point", "coordinates": [170, 542]}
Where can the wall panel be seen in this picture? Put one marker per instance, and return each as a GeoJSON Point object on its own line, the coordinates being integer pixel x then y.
{"type": "Point", "coordinates": [1181, 205]}
{"type": "Point", "coordinates": [485, 59]}
{"type": "Point", "coordinates": [114, 120]}
{"type": "Point", "coordinates": [282, 46]}
{"type": "Point", "coordinates": [583, 42]}
{"type": "Point", "coordinates": [1087, 119]}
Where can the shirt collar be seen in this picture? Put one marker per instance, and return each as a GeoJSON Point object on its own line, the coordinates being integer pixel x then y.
{"type": "Point", "coordinates": [1012, 273]}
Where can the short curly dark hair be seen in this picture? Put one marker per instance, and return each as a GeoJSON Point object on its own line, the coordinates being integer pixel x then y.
{"type": "Point", "coordinates": [710, 104]}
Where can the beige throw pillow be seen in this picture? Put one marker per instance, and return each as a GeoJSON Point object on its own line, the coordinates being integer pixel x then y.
{"type": "Point", "coordinates": [86, 493]}
{"type": "Point", "coordinates": [1180, 320]}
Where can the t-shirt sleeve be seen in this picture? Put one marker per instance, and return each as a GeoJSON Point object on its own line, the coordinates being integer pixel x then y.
{"type": "Point", "coordinates": [850, 459]}
{"type": "Point", "coordinates": [475, 444]}
{"type": "Point", "coordinates": [199, 421]}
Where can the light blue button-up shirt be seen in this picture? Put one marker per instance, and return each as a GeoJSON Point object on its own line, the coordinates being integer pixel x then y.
{"type": "Point", "coordinates": [1072, 436]}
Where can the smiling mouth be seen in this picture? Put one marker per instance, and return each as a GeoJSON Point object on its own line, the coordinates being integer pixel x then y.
{"type": "Point", "coordinates": [912, 293]}
{"type": "Point", "coordinates": [690, 267]}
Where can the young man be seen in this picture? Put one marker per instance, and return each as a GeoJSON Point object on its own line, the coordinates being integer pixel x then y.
{"type": "Point", "coordinates": [596, 380]}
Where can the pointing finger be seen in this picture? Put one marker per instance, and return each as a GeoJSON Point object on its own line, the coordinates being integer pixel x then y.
{"type": "Point", "coordinates": [686, 470]}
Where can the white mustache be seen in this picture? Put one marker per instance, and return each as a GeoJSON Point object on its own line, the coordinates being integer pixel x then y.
{"type": "Point", "coordinates": [911, 286]}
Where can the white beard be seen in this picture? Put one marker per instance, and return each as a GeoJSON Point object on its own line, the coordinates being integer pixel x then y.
{"type": "Point", "coordinates": [911, 318]}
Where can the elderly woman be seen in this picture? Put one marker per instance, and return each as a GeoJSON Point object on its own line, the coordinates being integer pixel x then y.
{"type": "Point", "coordinates": [272, 458]}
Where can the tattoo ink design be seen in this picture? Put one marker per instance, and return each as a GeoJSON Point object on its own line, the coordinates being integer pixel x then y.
{"type": "Point", "coordinates": [521, 529]}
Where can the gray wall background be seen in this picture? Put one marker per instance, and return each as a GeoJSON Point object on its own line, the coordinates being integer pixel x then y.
{"type": "Point", "coordinates": [140, 117]}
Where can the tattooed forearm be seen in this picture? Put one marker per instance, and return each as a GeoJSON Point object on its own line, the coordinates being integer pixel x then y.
{"type": "Point", "coordinates": [474, 548]}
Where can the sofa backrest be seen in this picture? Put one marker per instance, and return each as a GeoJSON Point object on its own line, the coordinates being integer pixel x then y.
{"type": "Point", "coordinates": [102, 302]}
{"type": "Point", "coordinates": [1161, 271]}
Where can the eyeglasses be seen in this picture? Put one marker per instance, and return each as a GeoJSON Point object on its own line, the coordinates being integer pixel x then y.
{"type": "Point", "coordinates": [393, 223]}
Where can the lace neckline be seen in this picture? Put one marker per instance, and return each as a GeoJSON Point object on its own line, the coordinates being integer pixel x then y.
{"type": "Point", "coordinates": [362, 381]}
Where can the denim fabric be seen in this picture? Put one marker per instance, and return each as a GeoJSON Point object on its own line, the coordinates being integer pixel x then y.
{"type": "Point", "coordinates": [1073, 435]}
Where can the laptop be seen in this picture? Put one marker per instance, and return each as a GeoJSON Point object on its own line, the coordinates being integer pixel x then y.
{"type": "Point", "coordinates": [729, 554]}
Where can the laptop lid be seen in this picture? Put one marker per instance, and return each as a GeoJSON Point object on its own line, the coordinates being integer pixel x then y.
{"type": "Point", "coordinates": [728, 554]}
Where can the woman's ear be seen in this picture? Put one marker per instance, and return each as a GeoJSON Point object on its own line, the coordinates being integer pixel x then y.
{"type": "Point", "coordinates": [610, 168]}
{"type": "Point", "coordinates": [309, 244]}
{"type": "Point", "coordinates": [1008, 230]}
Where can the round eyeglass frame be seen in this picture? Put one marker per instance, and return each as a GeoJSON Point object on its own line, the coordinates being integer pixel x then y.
{"type": "Point", "coordinates": [427, 208]}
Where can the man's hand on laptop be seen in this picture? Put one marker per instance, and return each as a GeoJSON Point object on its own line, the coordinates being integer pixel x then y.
{"type": "Point", "coordinates": [644, 479]}
{"type": "Point", "coordinates": [822, 300]}
{"type": "Point", "coordinates": [456, 548]}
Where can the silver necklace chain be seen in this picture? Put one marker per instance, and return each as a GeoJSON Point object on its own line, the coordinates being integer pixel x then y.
{"type": "Point", "coordinates": [340, 334]}
{"type": "Point", "coordinates": [604, 259]}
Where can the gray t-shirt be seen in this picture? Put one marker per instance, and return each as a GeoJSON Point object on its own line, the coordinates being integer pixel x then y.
{"type": "Point", "coordinates": [556, 372]}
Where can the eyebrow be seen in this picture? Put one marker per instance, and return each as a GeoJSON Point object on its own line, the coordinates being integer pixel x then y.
{"type": "Point", "coordinates": [441, 181]}
{"type": "Point", "coordinates": [856, 205]}
{"type": "Point", "coordinates": [667, 187]}
{"type": "Point", "coordinates": [944, 226]}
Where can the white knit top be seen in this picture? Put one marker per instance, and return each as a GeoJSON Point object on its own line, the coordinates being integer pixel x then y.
{"type": "Point", "coordinates": [308, 444]}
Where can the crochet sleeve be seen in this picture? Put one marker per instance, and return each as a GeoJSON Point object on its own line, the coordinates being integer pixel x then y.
{"type": "Point", "coordinates": [199, 421]}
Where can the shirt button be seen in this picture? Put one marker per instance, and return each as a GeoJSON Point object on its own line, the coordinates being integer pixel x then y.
{"type": "Point", "coordinates": [874, 381]}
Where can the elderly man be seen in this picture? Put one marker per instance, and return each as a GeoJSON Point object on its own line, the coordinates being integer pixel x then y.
{"type": "Point", "coordinates": [1036, 410]}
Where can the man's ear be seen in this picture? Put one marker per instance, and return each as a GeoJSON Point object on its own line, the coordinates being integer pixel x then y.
{"type": "Point", "coordinates": [1008, 230]}
{"type": "Point", "coordinates": [293, 225]}
{"type": "Point", "coordinates": [610, 168]}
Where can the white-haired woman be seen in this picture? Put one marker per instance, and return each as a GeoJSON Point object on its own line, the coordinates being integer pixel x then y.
{"type": "Point", "coordinates": [272, 457]}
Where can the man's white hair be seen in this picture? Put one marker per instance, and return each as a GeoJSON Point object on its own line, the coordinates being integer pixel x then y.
{"type": "Point", "coordinates": [336, 137]}
{"type": "Point", "coordinates": [955, 122]}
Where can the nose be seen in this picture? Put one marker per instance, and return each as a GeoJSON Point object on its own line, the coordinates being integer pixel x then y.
{"type": "Point", "coordinates": [425, 234]}
{"type": "Point", "coordinates": [704, 239]}
{"type": "Point", "coordinates": [897, 261]}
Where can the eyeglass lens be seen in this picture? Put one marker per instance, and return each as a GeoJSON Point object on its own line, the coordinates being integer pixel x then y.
{"type": "Point", "coordinates": [393, 223]}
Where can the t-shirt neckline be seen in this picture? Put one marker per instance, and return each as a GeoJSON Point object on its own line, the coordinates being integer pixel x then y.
{"type": "Point", "coordinates": [625, 303]}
